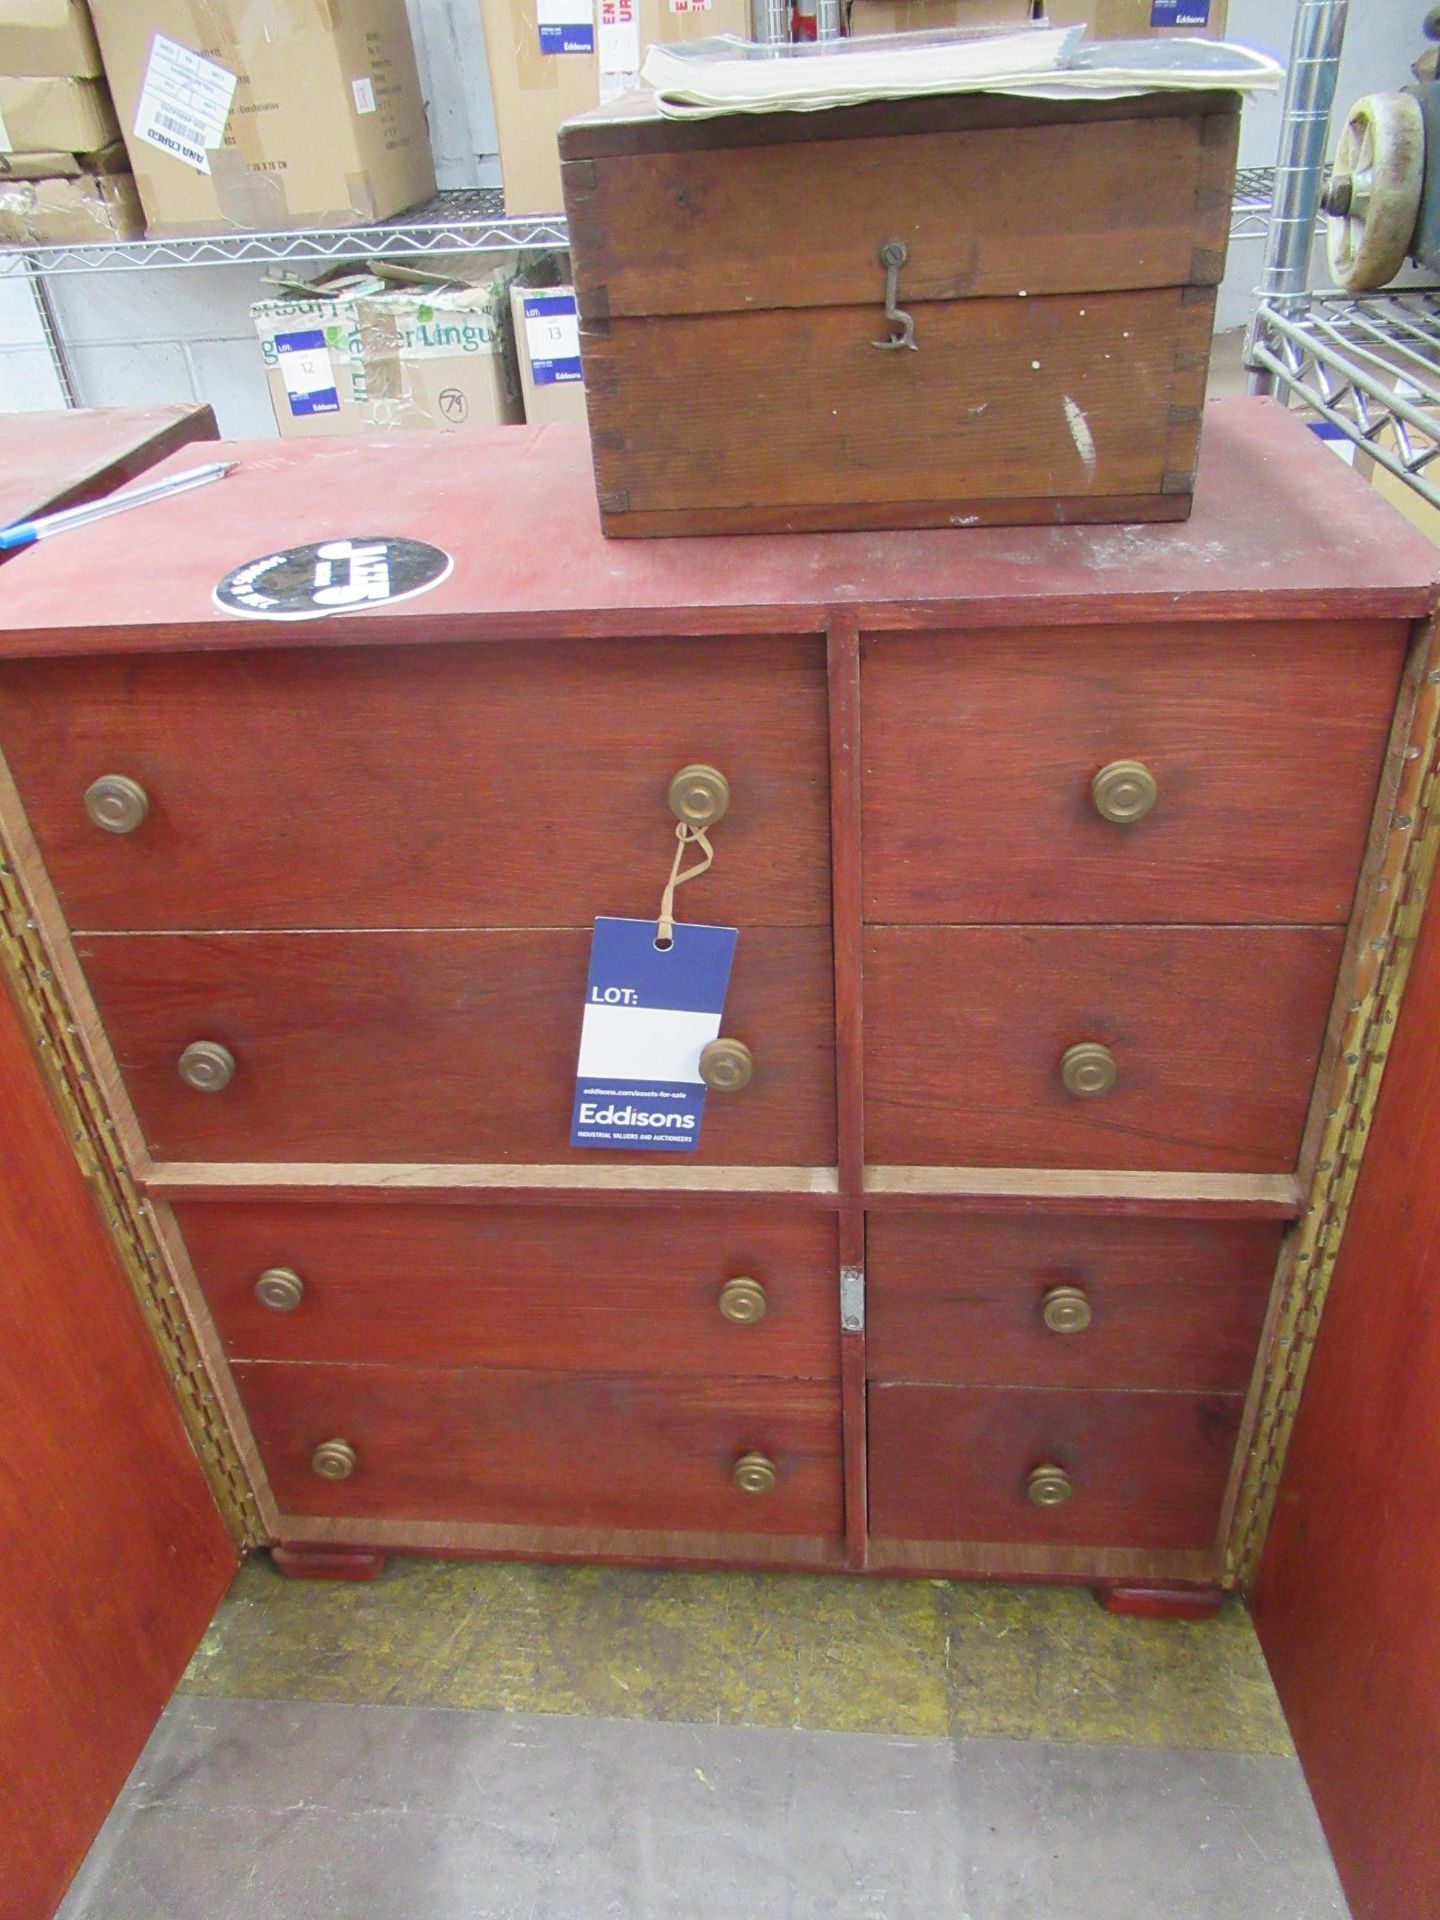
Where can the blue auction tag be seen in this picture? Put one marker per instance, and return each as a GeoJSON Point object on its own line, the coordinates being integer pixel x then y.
{"type": "Point", "coordinates": [1180, 13]}
{"type": "Point", "coordinates": [648, 1014]}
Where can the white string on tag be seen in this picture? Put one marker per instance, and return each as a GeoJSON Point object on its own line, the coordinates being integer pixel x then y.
{"type": "Point", "coordinates": [684, 837]}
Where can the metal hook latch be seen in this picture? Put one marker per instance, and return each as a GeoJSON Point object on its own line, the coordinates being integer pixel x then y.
{"type": "Point", "coordinates": [893, 256]}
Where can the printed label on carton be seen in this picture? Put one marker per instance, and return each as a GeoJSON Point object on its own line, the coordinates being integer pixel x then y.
{"type": "Point", "coordinates": [308, 372]}
{"type": "Point", "coordinates": [364, 93]}
{"type": "Point", "coordinates": [1179, 13]}
{"type": "Point", "coordinates": [619, 47]}
{"type": "Point", "coordinates": [552, 337]}
{"type": "Point", "coordinates": [566, 26]}
{"type": "Point", "coordinates": [184, 103]}
{"type": "Point", "coordinates": [648, 1014]}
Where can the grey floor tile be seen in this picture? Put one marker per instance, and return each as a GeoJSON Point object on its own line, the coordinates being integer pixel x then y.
{"type": "Point", "coordinates": [261, 1810]}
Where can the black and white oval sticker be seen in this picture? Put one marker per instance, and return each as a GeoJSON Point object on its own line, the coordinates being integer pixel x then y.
{"type": "Point", "coordinates": [332, 576]}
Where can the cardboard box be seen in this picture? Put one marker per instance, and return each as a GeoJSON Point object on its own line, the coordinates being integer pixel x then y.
{"type": "Point", "coordinates": [547, 345]}
{"type": "Point", "coordinates": [48, 37]}
{"type": "Point", "coordinates": [917, 16]}
{"type": "Point", "coordinates": [40, 115]}
{"type": "Point", "coordinates": [1138, 19]}
{"type": "Point", "coordinates": [541, 75]}
{"type": "Point", "coordinates": [295, 113]}
{"type": "Point", "coordinates": [368, 355]}
{"type": "Point", "coordinates": [88, 209]}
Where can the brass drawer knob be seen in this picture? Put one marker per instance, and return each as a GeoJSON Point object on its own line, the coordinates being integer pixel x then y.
{"type": "Point", "coordinates": [334, 1460]}
{"type": "Point", "coordinates": [280, 1289]}
{"type": "Point", "coordinates": [1065, 1310]}
{"type": "Point", "coordinates": [1087, 1069]}
{"type": "Point", "coordinates": [116, 804]}
{"type": "Point", "coordinates": [699, 796]}
{"type": "Point", "coordinates": [1048, 1486]}
{"type": "Point", "coordinates": [726, 1065]}
{"type": "Point", "coordinates": [207, 1066]}
{"type": "Point", "coordinates": [743, 1301]}
{"type": "Point", "coordinates": [1123, 792]}
{"type": "Point", "coordinates": [754, 1473]}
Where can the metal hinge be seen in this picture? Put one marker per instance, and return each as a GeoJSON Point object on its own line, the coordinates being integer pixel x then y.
{"type": "Point", "coordinates": [852, 1299]}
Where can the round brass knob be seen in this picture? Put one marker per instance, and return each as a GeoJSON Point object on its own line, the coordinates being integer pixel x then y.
{"type": "Point", "coordinates": [1123, 792]}
{"type": "Point", "coordinates": [334, 1460]}
{"type": "Point", "coordinates": [280, 1288]}
{"type": "Point", "coordinates": [726, 1065]}
{"type": "Point", "coordinates": [207, 1066]}
{"type": "Point", "coordinates": [743, 1301]}
{"type": "Point", "coordinates": [116, 804]}
{"type": "Point", "coordinates": [753, 1473]}
{"type": "Point", "coordinates": [1087, 1069]}
{"type": "Point", "coordinates": [1048, 1487]}
{"type": "Point", "coordinates": [699, 796]}
{"type": "Point", "coordinates": [1065, 1310]}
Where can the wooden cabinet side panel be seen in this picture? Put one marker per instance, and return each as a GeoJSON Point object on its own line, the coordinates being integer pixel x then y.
{"type": "Point", "coordinates": [115, 1554]}
{"type": "Point", "coordinates": [1349, 1586]}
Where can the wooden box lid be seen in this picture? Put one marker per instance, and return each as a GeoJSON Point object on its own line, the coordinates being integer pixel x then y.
{"type": "Point", "coordinates": [989, 195]}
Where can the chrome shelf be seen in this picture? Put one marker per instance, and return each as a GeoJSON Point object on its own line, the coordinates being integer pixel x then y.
{"type": "Point", "coordinates": [1369, 364]}
{"type": "Point", "coordinates": [466, 220]}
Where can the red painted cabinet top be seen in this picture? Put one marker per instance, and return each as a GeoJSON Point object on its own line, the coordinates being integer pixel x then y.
{"type": "Point", "coordinates": [1281, 530]}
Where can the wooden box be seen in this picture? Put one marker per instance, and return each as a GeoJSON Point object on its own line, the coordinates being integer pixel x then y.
{"type": "Point", "coordinates": [1060, 263]}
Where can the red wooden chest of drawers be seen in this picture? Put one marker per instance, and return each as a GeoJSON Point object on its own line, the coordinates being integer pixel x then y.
{"type": "Point", "coordinates": [1066, 866]}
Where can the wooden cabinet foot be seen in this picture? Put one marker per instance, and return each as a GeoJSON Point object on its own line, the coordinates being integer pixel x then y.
{"type": "Point", "coordinates": [1162, 1603]}
{"type": "Point", "coordinates": [327, 1563]}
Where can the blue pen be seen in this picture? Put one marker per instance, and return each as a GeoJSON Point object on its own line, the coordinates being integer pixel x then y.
{"type": "Point", "coordinates": [24, 533]}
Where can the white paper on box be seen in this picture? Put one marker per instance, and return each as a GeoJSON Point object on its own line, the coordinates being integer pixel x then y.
{"type": "Point", "coordinates": [5, 146]}
{"type": "Point", "coordinates": [552, 338]}
{"type": "Point", "coordinates": [619, 47]}
{"type": "Point", "coordinates": [184, 103]}
{"type": "Point", "coordinates": [364, 93]}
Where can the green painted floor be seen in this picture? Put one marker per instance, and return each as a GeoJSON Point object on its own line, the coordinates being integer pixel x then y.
{"type": "Point", "coordinates": [907, 1657]}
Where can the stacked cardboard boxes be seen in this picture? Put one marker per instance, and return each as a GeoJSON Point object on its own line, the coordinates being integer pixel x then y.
{"type": "Point", "coordinates": [354, 352]}
{"type": "Point", "coordinates": [63, 176]}
{"type": "Point", "coordinates": [252, 117]}
{"type": "Point", "coordinates": [552, 59]}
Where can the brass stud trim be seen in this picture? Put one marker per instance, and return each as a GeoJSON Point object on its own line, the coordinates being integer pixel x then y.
{"type": "Point", "coordinates": [1389, 928]}
{"type": "Point", "coordinates": [754, 1473]}
{"type": "Point", "coordinates": [726, 1065]}
{"type": "Point", "coordinates": [206, 1066]}
{"type": "Point", "coordinates": [1123, 792]}
{"type": "Point", "coordinates": [743, 1300]}
{"type": "Point", "coordinates": [699, 796]}
{"type": "Point", "coordinates": [334, 1460]}
{"type": "Point", "coordinates": [1048, 1486]}
{"type": "Point", "coordinates": [51, 1023]}
{"type": "Point", "coordinates": [1088, 1070]}
{"type": "Point", "coordinates": [116, 804]}
{"type": "Point", "coordinates": [280, 1289]}
{"type": "Point", "coordinates": [1066, 1310]}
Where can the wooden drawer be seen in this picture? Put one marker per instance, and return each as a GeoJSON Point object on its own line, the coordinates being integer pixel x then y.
{"type": "Point", "coordinates": [434, 1046]}
{"type": "Point", "coordinates": [426, 786]}
{"type": "Point", "coordinates": [589, 1290]}
{"type": "Point", "coordinates": [1215, 1034]}
{"type": "Point", "coordinates": [1265, 760]}
{"type": "Point", "coordinates": [952, 1463]}
{"type": "Point", "coordinates": [963, 1298]}
{"type": "Point", "coordinates": [546, 1449]}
